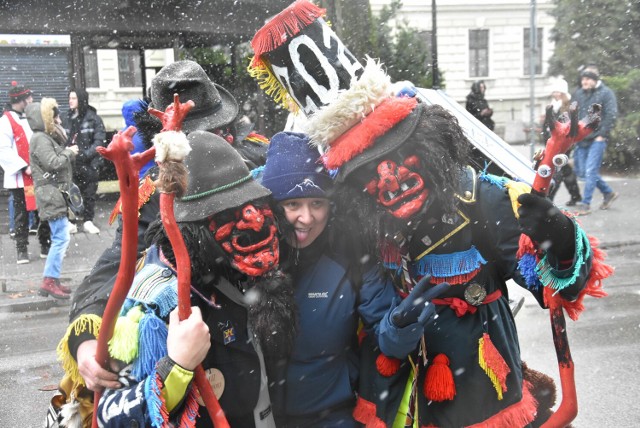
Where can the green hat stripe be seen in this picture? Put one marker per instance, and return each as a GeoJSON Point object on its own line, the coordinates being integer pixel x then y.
{"type": "Point", "coordinates": [217, 189]}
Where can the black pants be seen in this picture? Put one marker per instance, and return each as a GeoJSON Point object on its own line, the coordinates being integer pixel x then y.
{"type": "Point", "coordinates": [568, 176]}
{"type": "Point", "coordinates": [87, 180]}
{"type": "Point", "coordinates": [21, 220]}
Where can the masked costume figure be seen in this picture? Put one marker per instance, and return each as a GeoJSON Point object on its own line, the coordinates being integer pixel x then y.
{"type": "Point", "coordinates": [401, 172]}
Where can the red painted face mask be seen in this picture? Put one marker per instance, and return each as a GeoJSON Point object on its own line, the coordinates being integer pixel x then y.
{"type": "Point", "coordinates": [249, 237]}
{"type": "Point", "coordinates": [399, 188]}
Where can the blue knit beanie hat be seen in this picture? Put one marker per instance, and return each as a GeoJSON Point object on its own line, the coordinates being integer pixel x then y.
{"type": "Point", "coordinates": [293, 169]}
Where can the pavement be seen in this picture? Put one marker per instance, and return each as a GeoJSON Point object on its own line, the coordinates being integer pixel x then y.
{"type": "Point", "coordinates": [615, 227]}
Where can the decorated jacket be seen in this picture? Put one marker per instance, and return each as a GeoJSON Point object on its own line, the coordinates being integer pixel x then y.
{"type": "Point", "coordinates": [322, 374]}
{"type": "Point", "coordinates": [473, 374]}
{"type": "Point", "coordinates": [156, 391]}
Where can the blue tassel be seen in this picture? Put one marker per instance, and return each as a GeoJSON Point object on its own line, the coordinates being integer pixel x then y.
{"type": "Point", "coordinates": [493, 179]}
{"type": "Point", "coordinates": [152, 345]}
{"type": "Point", "coordinates": [447, 265]}
{"type": "Point", "coordinates": [527, 266]}
{"type": "Point", "coordinates": [154, 401]}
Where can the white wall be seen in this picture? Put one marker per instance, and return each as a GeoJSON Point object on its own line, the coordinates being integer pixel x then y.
{"type": "Point", "coordinates": [508, 89]}
{"type": "Point", "coordinates": [109, 97]}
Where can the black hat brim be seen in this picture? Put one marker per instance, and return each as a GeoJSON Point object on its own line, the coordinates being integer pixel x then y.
{"type": "Point", "coordinates": [234, 197]}
{"type": "Point", "coordinates": [223, 116]}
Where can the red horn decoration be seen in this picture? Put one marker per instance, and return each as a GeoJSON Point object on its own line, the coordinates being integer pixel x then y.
{"type": "Point", "coordinates": [172, 121]}
{"type": "Point", "coordinates": [563, 137]}
{"type": "Point", "coordinates": [128, 169]}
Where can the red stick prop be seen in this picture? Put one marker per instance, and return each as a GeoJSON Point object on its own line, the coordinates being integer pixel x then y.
{"type": "Point", "coordinates": [127, 168]}
{"type": "Point", "coordinates": [563, 137]}
{"type": "Point", "coordinates": [172, 121]}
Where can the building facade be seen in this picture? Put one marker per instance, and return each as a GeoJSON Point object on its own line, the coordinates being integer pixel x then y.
{"type": "Point", "coordinates": [489, 41]}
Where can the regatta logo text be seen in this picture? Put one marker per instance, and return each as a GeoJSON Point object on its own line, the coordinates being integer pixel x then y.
{"type": "Point", "coordinates": [323, 295]}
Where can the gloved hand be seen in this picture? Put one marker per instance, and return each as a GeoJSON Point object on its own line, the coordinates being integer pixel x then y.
{"type": "Point", "coordinates": [544, 223]}
{"type": "Point", "coordinates": [417, 306]}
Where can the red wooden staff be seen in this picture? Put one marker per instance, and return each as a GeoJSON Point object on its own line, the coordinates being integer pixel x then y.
{"type": "Point", "coordinates": [128, 169]}
{"type": "Point", "coordinates": [563, 136]}
{"type": "Point", "coordinates": [173, 177]}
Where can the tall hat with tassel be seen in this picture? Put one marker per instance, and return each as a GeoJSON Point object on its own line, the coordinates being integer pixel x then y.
{"type": "Point", "coordinates": [353, 114]}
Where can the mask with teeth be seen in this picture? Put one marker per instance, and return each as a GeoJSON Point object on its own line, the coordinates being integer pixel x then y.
{"type": "Point", "coordinates": [398, 187]}
{"type": "Point", "coordinates": [248, 235]}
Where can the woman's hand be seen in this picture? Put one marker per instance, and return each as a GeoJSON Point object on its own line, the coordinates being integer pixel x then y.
{"type": "Point", "coordinates": [189, 340]}
{"type": "Point", "coordinates": [95, 377]}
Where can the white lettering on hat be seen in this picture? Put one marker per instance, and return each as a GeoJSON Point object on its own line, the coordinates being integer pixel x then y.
{"type": "Point", "coordinates": [315, 92]}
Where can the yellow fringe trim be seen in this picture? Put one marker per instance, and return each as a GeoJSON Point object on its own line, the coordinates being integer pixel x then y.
{"type": "Point", "coordinates": [260, 70]}
{"type": "Point", "coordinates": [86, 322]}
{"type": "Point", "coordinates": [516, 188]}
{"type": "Point", "coordinates": [490, 373]}
{"type": "Point", "coordinates": [124, 342]}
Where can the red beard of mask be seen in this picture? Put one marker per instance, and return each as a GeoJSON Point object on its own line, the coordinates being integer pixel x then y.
{"type": "Point", "coordinates": [250, 239]}
{"type": "Point", "coordinates": [399, 189]}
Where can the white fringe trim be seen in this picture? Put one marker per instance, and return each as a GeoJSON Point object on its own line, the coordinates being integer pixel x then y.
{"type": "Point", "coordinates": [171, 145]}
{"type": "Point", "coordinates": [351, 105]}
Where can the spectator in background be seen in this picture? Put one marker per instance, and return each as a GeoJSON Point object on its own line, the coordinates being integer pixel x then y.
{"type": "Point", "coordinates": [478, 106]}
{"type": "Point", "coordinates": [589, 152]}
{"type": "Point", "coordinates": [130, 109]}
{"type": "Point", "coordinates": [560, 101]}
{"type": "Point", "coordinates": [15, 134]}
{"type": "Point", "coordinates": [85, 129]}
{"type": "Point", "coordinates": [51, 166]}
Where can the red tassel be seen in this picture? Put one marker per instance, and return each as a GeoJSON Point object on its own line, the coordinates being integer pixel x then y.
{"type": "Point", "coordinates": [387, 366]}
{"type": "Point", "coordinates": [438, 383]}
{"type": "Point", "coordinates": [284, 26]}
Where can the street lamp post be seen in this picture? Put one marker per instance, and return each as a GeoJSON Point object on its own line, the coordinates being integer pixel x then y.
{"type": "Point", "coordinates": [434, 47]}
{"type": "Point", "coordinates": [533, 45]}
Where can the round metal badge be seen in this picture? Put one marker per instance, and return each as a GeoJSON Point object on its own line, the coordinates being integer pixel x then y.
{"type": "Point", "coordinates": [475, 294]}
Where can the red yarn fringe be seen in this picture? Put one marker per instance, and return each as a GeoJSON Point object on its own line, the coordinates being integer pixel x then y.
{"type": "Point", "coordinates": [438, 383]}
{"type": "Point", "coordinates": [365, 413]}
{"type": "Point", "coordinates": [494, 364]}
{"type": "Point", "coordinates": [284, 26]}
{"type": "Point", "coordinates": [387, 366]}
{"type": "Point", "coordinates": [517, 415]}
{"type": "Point", "coordinates": [190, 412]}
{"type": "Point", "coordinates": [599, 271]}
{"type": "Point", "coordinates": [363, 135]}
{"type": "Point", "coordinates": [456, 279]}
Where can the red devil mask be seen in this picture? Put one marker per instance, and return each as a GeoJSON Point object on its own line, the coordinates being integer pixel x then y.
{"type": "Point", "coordinates": [248, 235]}
{"type": "Point", "coordinates": [398, 187]}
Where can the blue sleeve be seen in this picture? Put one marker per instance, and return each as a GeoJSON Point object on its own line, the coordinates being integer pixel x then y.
{"type": "Point", "coordinates": [378, 298]}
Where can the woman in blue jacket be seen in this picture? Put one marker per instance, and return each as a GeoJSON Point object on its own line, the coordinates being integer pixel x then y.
{"type": "Point", "coordinates": [336, 286]}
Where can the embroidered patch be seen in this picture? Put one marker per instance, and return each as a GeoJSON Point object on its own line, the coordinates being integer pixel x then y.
{"type": "Point", "coordinates": [228, 332]}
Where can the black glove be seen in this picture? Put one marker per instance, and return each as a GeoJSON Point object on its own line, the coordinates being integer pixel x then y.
{"type": "Point", "coordinates": [544, 223]}
{"type": "Point", "coordinates": [416, 307]}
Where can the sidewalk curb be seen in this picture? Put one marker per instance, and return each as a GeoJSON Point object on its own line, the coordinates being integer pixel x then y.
{"type": "Point", "coordinates": [31, 303]}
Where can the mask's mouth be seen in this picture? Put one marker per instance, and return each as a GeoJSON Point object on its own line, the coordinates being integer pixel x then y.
{"type": "Point", "coordinates": [408, 199]}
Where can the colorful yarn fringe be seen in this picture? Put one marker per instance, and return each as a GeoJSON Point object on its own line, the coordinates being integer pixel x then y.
{"type": "Point", "coordinates": [152, 344]}
{"type": "Point", "coordinates": [124, 342]}
{"type": "Point", "coordinates": [254, 137]}
{"type": "Point", "coordinates": [365, 413]}
{"type": "Point", "coordinates": [156, 404]}
{"type": "Point", "coordinates": [493, 364]}
{"type": "Point", "coordinates": [85, 323]}
{"type": "Point", "coordinates": [145, 190]}
{"type": "Point", "coordinates": [455, 268]}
